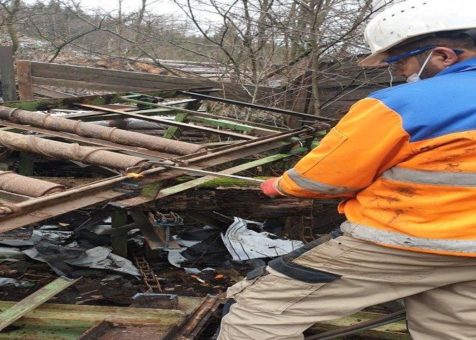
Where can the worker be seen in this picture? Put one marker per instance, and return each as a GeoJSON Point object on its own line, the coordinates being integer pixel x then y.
{"type": "Point", "coordinates": [403, 161]}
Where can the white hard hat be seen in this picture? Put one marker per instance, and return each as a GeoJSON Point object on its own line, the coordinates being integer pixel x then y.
{"type": "Point", "coordinates": [413, 18]}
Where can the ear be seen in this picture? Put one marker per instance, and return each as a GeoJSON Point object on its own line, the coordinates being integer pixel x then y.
{"type": "Point", "coordinates": [445, 56]}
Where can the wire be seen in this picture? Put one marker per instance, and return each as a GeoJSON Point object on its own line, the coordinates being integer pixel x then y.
{"type": "Point", "coordinates": [389, 69]}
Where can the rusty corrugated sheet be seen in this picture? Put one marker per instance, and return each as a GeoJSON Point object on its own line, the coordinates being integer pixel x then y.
{"type": "Point", "coordinates": [97, 131]}
{"type": "Point", "coordinates": [12, 182]}
{"type": "Point", "coordinates": [59, 150]}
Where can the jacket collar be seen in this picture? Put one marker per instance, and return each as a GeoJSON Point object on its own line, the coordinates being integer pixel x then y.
{"type": "Point", "coordinates": [463, 66]}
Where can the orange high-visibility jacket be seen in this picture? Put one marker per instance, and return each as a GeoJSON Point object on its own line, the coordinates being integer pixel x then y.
{"type": "Point", "coordinates": [405, 160]}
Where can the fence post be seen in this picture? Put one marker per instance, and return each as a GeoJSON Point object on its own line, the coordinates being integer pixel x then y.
{"type": "Point", "coordinates": [25, 86]}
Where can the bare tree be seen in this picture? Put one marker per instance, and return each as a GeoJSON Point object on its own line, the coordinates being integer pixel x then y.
{"type": "Point", "coordinates": [262, 39]}
{"type": "Point", "coordinates": [253, 42]}
{"type": "Point", "coordinates": [9, 13]}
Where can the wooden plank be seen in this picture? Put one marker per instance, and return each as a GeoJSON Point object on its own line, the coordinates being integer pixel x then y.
{"type": "Point", "coordinates": [65, 331]}
{"type": "Point", "coordinates": [127, 315]}
{"type": "Point", "coordinates": [114, 77]}
{"type": "Point", "coordinates": [68, 322]}
{"type": "Point", "coordinates": [25, 81]}
{"type": "Point", "coordinates": [29, 303]}
{"type": "Point", "coordinates": [113, 80]}
{"type": "Point", "coordinates": [9, 92]}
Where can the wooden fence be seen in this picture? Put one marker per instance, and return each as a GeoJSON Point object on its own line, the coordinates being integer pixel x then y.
{"type": "Point", "coordinates": [31, 75]}
{"type": "Point", "coordinates": [340, 85]}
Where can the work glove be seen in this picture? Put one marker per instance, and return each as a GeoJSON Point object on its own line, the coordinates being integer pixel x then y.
{"type": "Point", "coordinates": [270, 188]}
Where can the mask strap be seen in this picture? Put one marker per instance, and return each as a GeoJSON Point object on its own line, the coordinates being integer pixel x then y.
{"type": "Point", "coordinates": [425, 63]}
{"type": "Point", "coordinates": [389, 69]}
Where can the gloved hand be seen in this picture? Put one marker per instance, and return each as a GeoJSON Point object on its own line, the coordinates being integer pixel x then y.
{"type": "Point", "coordinates": [270, 188]}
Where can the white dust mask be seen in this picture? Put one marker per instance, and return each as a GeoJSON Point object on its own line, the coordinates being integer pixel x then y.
{"type": "Point", "coordinates": [417, 76]}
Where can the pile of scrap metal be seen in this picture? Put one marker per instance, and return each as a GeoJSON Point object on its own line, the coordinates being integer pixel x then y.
{"type": "Point", "coordinates": [121, 176]}
{"type": "Point", "coordinates": [137, 160]}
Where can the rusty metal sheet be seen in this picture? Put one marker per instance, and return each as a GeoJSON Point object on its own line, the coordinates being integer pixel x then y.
{"type": "Point", "coordinates": [98, 131]}
{"type": "Point", "coordinates": [39, 209]}
{"type": "Point", "coordinates": [133, 150]}
{"type": "Point", "coordinates": [60, 150]}
{"type": "Point", "coordinates": [125, 190]}
{"type": "Point", "coordinates": [23, 185]}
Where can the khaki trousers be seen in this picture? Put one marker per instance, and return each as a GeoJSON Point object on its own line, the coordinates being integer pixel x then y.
{"type": "Point", "coordinates": [439, 293]}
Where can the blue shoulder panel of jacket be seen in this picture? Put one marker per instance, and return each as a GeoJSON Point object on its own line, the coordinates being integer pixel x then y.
{"type": "Point", "coordinates": [437, 106]}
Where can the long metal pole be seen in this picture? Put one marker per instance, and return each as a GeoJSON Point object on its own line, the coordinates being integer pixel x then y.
{"type": "Point", "coordinates": [210, 173]}
{"type": "Point", "coordinates": [97, 131]}
{"type": "Point", "coordinates": [257, 106]}
{"type": "Point", "coordinates": [169, 122]}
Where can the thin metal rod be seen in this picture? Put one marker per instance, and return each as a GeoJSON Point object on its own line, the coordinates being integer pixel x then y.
{"type": "Point", "coordinates": [169, 122]}
{"type": "Point", "coordinates": [257, 106]}
{"type": "Point", "coordinates": [237, 147]}
{"type": "Point", "coordinates": [253, 125]}
{"type": "Point", "coordinates": [210, 173]}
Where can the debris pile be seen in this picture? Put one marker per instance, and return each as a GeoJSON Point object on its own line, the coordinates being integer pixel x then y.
{"type": "Point", "coordinates": [84, 198]}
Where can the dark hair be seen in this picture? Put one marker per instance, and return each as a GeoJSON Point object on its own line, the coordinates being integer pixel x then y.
{"type": "Point", "coordinates": [455, 39]}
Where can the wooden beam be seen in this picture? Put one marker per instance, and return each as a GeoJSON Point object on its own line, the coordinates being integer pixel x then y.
{"type": "Point", "coordinates": [115, 81]}
{"type": "Point", "coordinates": [25, 82]}
{"type": "Point", "coordinates": [91, 314]}
{"type": "Point", "coordinates": [29, 303]}
{"type": "Point", "coordinates": [113, 77]}
{"type": "Point", "coordinates": [56, 321]}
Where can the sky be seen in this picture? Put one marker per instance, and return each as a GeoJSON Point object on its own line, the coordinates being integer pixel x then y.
{"type": "Point", "coordinates": [158, 6]}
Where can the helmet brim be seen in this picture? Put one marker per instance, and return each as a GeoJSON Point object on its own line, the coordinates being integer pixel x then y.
{"type": "Point", "coordinates": [374, 60]}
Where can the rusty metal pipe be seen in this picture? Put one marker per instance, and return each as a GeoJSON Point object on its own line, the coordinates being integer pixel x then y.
{"type": "Point", "coordinates": [17, 184]}
{"type": "Point", "coordinates": [60, 150]}
{"type": "Point", "coordinates": [97, 131]}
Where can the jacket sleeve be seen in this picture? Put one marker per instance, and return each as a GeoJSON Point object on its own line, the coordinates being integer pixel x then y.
{"type": "Point", "coordinates": [367, 141]}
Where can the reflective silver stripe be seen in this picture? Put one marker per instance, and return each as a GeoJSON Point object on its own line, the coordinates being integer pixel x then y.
{"type": "Point", "coordinates": [318, 187]}
{"type": "Point", "coordinates": [401, 240]}
{"type": "Point", "coordinates": [431, 177]}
